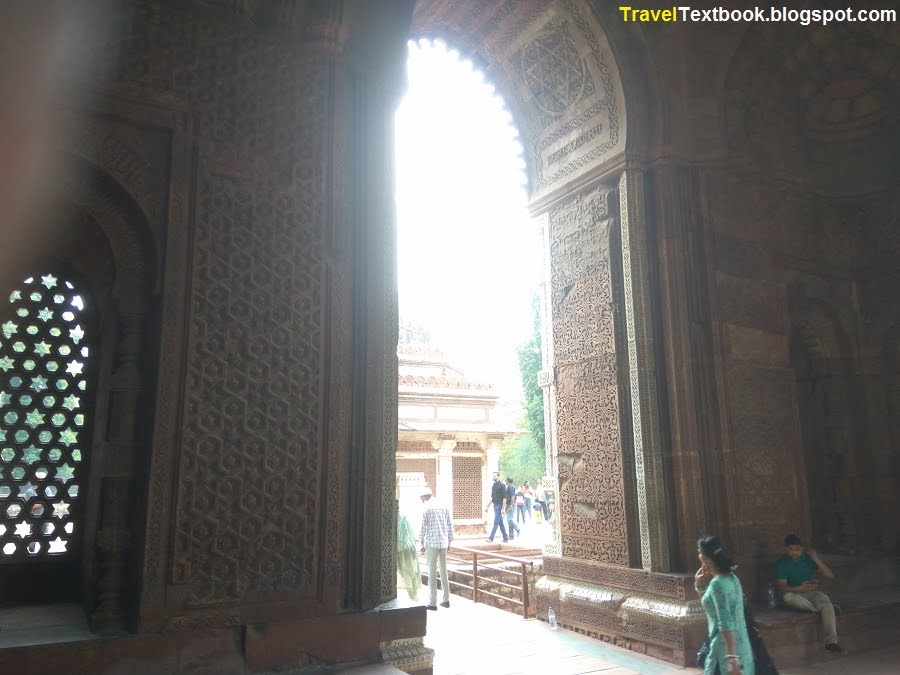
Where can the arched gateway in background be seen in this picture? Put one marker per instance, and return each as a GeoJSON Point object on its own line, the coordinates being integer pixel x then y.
{"type": "Point", "coordinates": [719, 207]}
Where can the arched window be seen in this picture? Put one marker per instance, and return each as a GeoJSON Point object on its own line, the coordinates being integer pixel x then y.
{"type": "Point", "coordinates": [45, 355]}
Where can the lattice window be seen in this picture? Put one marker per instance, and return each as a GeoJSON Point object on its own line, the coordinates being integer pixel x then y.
{"type": "Point", "coordinates": [467, 485]}
{"type": "Point", "coordinates": [426, 466]}
{"type": "Point", "coordinates": [44, 358]}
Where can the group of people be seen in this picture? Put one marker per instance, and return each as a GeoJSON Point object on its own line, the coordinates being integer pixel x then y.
{"type": "Point", "coordinates": [436, 531]}
{"type": "Point", "coordinates": [734, 645]}
{"type": "Point", "coordinates": [512, 505]}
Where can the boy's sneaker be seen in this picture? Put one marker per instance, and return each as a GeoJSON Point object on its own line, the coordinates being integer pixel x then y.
{"type": "Point", "coordinates": [835, 648]}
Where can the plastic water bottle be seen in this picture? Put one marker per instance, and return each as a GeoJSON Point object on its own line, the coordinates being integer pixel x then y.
{"type": "Point", "coordinates": [770, 598]}
{"type": "Point", "coordinates": [551, 618]}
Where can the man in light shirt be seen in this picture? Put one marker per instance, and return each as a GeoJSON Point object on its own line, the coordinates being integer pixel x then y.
{"type": "Point", "coordinates": [435, 536]}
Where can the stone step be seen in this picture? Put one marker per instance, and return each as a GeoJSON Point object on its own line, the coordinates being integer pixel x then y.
{"type": "Point", "coordinates": [868, 620]}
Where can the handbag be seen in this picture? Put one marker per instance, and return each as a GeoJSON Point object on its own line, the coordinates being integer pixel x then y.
{"type": "Point", "coordinates": [761, 658]}
{"type": "Point", "coordinates": [703, 652]}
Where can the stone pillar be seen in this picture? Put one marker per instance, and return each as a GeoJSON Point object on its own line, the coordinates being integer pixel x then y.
{"type": "Point", "coordinates": [689, 355]}
{"type": "Point", "coordinates": [547, 382]}
{"type": "Point", "coordinates": [491, 465]}
{"type": "Point", "coordinates": [493, 461]}
{"type": "Point", "coordinates": [648, 452]}
{"type": "Point", "coordinates": [376, 69]}
{"type": "Point", "coordinates": [595, 314]}
{"type": "Point", "coordinates": [444, 488]}
{"type": "Point", "coordinates": [117, 457]}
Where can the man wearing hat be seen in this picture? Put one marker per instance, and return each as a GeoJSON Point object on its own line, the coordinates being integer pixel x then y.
{"type": "Point", "coordinates": [435, 536]}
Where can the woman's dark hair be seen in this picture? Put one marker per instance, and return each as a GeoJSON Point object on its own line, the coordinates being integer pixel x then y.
{"type": "Point", "coordinates": [713, 548]}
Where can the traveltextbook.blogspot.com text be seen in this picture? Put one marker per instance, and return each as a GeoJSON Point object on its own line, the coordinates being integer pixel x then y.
{"type": "Point", "coordinates": [782, 14]}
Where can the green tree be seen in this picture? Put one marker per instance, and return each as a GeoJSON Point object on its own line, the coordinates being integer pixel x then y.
{"type": "Point", "coordinates": [529, 365]}
{"type": "Point", "coordinates": [521, 458]}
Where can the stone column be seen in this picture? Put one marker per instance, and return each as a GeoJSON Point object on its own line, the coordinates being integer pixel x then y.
{"type": "Point", "coordinates": [645, 409]}
{"type": "Point", "coordinates": [689, 361]}
{"type": "Point", "coordinates": [491, 464]}
{"type": "Point", "coordinates": [493, 460]}
{"type": "Point", "coordinates": [117, 457]}
{"type": "Point", "coordinates": [376, 56]}
{"type": "Point", "coordinates": [598, 313]}
{"type": "Point", "coordinates": [444, 488]}
{"type": "Point", "coordinates": [547, 382]}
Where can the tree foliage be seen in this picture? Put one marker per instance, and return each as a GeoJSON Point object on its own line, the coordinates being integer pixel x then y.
{"type": "Point", "coordinates": [529, 365]}
{"type": "Point", "coordinates": [521, 458]}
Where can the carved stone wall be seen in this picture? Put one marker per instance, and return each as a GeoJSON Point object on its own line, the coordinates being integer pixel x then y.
{"type": "Point", "coordinates": [879, 361]}
{"type": "Point", "coordinates": [592, 509]}
{"type": "Point", "coordinates": [773, 398]}
{"type": "Point", "coordinates": [247, 497]}
{"type": "Point", "coordinates": [277, 331]}
{"type": "Point", "coordinates": [806, 381]}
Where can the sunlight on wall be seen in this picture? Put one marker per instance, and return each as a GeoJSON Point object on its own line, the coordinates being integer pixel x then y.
{"type": "Point", "coordinates": [469, 253]}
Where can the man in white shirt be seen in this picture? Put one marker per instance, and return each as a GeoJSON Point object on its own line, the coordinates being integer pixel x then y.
{"type": "Point", "coordinates": [435, 536]}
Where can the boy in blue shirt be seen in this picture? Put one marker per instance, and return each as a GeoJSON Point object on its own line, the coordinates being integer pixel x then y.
{"type": "Point", "coordinates": [796, 573]}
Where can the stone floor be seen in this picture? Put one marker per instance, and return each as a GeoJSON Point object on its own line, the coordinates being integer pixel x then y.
{"type": "Point", "coordinates": [42, 624]}
{"type": "Point", "coordinates": [473, 638]}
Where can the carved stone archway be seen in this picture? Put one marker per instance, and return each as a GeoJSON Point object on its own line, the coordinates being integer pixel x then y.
{"type": "Point", "coordinates": [127, 349]}
{"type": "Point", "coordinates": [99, 237]}
{"type": "Point", "coordinates": [561, 74]}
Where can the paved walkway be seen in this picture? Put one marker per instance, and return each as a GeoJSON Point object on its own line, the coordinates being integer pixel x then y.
{"type": "Point", "coordinates": [471, 639]}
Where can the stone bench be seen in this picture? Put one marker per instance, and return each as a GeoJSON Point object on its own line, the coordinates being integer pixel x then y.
{"type": "Point", "coordinates": [868, 619]}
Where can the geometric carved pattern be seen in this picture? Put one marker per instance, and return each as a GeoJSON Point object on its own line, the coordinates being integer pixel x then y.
{"type": "Point", "coordinates": [249, 467]}
{"type": "Point", "coordinates": [554, 66]}
{"type": "Point", "coordinates": [579, 117]}
{"type": "Point", "coordinates": [467, 486]}
{"type": "Point", "coordinates": [553, 71]}
{"type": "Point", "coordinates": [592, 500]}
{"type": "Point", "coordinates": [44, 362]}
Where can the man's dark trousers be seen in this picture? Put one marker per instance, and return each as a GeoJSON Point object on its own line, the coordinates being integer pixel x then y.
{"type": "Point", "coordinates": [498, 520]}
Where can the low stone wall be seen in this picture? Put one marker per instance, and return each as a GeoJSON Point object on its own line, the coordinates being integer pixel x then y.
{"type": "Point", "coordinates": [795, 638]}
{"type": "Point", "coordinates": [644, 612]}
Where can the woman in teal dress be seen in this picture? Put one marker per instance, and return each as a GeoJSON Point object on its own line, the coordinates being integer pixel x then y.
{"type": "Point", "coordinates": [723, 602]}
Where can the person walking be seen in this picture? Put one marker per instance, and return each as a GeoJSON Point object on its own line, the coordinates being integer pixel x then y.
{"type": "Point", "coordinates": [511, 526]}
{"type": "Point", "coordinates": [723, 601]}
{"type": "Point", "coordinates": [528, 493]}
{"type": "Point", "coordinates": [520, 506]}
{"type": "Point", "coordinates": [498, 501]}
{"type": "Point", "coordinates": [436, 535]}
